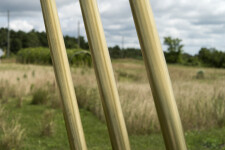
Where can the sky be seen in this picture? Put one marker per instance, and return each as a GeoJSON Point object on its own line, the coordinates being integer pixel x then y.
{"type": "Point", "coordinates": [199, 23]}
{"type": "Point", "coordinates": [1, 52]}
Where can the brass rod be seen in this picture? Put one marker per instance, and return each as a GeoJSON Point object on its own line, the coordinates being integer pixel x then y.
{"type": "Point", "coordinates": [63, 76]}
{"type": "Point", "coordinates": [104, 74]}
{"type": "Point", "coordinates": [158, 75]}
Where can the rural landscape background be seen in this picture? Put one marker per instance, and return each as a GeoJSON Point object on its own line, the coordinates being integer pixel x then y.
{"type": "Point", "coordinates": [31, 112]}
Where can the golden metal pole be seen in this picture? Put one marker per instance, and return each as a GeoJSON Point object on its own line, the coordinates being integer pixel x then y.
{"type": "Point", "coordinates": [63, 76]}
{"type": "Point", "coordinates": [104, 73]}
{"type": "Point", "coordinates": [158, 75]}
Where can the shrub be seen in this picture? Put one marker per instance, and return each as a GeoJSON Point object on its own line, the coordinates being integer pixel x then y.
{"type": "Point", "coordinates": [6, 91]}
{"type": "Point", "coordinates": [200, 75]}
{"type": "Point", "coordinates": [219, 110]}
{"type": "Point", "coordinates": [40, 96]}
{"type": "Point", "coordinates": [55, 101]}
{"type": "Point", "coordinates": [89, 99]}
{"type": "Point", "coordinates": [212, 57]}
{"type": "Point", "coordinates": [12, 135]}
{"type": "Point", "coordinates": [19, 102]}
{"type": "Point", "coordinates": [2, 113]}
{"type": "Point", "coordinates": [42, 56]}
{"type": "Point", "coordinates": [47, 124]}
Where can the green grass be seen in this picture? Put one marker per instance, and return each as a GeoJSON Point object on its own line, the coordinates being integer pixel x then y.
{"type": "Point", "coordinates": [96, 132]}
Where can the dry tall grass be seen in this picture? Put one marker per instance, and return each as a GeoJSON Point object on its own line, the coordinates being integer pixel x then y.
{"type": "Point", "coordinates": [47, 124]}
{"type": "Point", "coordinates": [201, 101]}
{"type": "Point", "coordinates": [12, 134]}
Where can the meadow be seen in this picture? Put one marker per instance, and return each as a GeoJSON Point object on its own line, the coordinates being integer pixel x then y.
{"type": "Point", "coordinates": [31, 108]}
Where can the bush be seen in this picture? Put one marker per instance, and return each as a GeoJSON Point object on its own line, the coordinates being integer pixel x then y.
{"type": "Point", "coordinates": [47, 124]}
{"type": "Point", "coordinates": [200, 75]}
{"type": "Point", "coordinates": [12, 134]}
{"type": "Point", "coordinates": [40, 96]}
{"type": "Point", "coordinates": [212, 57]}
{"type": "Point", "coordinates": [6, 91]}
{"type": "Point", "coordinates": [55, 101]}
{"type": "Point", "coordinates": [42, 56]}
{"type": "Point", "coordinates": [89, 99]}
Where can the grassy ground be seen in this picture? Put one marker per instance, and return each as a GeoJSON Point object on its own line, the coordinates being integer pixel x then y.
{"type": "Point", "coordinates": [96, 132]}
{"type": "Point", "coordinates": [199, 92]}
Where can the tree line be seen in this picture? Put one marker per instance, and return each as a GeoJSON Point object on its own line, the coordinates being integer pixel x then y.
{"type": "Point", "coordinates": [210, 57]}
{"type": "Point", "coordinates": [20, 40]}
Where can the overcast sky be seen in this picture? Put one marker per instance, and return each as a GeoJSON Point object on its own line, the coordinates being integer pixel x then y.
{"type": "Point", "coordinates": [199, 23]}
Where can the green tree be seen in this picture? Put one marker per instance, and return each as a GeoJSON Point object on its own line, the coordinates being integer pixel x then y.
{"type": "Point", "coordinates": [115, 52]}
{"type": "Point", "coordinates": [16, 45]}
{"type": "Point", "coordinates": [212, 57]}
{"type": "Point", "coordinates": [175, 49]}
{"type": "Point", "coordinates": [3, 38]}
{"type": "Point", "coordinates": [43, 39]}
{"type": "Point", "coordinates": [33, 39]}
{"type": "Point", "coordinates": [83, 43]}
{"type": "Point", "coordinates": [70, 42]}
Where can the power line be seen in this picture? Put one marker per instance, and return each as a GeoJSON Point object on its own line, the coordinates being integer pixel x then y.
{"type": "Point", "coordinates": [8, 37]}
{"type": "Point", "coordinates": [78, 34]}
{"type": "Point", "coordinates": [122, 46]}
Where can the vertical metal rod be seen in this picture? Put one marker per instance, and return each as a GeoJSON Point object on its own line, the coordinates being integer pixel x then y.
{"type": "Point", "coordinates": [158, 75]}
{"type": "Point", "coordinates": [122, 45]}
{"type": "Point", "coordinates": [63, 76]}
{"type": "Point", "coordinates": [8, 36]}
{"type": "Point", "coordinates": [78, 34]}
{"type": "Point", "coordinates": [105, 77]}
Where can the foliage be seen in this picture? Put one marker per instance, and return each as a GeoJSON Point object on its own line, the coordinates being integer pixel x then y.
{"type": "Point", "coordinates": [6, 91]}
{"type": "Point", "coordinates": [96, 133]}
{"type": "Point", "coordinates": [200, 102]}
{"type": "Point", "coordinates": [190, 60]}
{"type": "Point", "coordinates": [40, 96]}
{"type": "Point", "coordinates": [21, 39]}
{"type": "Point", "coordinates": [47, 124]}
{"type": "Point", "coordinates": [209, 57]}
{"type": "Point", "coordinates": [11, 134]}
{"type": "Point", "coordinates": [212, 57]}
{"type": "Point", "coordinates": [200, 74]}
{"type": "Point", "coordinates": [116, 52]}
{"type": "Point", "coordinates": [42, 56]}
{"type": "Point", "coordinates": [174, 51]}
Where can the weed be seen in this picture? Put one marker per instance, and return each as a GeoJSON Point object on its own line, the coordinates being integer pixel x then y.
{"type": "Point", "coordinates": [200, 75]}
{"type": "Point", "coordinates": [55, 101]}
{"type": "Point", "coordinates": [200, 102]}
{"type": "Point", "coordinates": [12, 135]}
{"type": "Point", "coordinates": [47, 124]}
{"type": "Point", "coordinates": [6, 91]}
{"type": "Point", "coordinates": [25, 76]}
{"type": "Point", "coordinates": [33, 73]}
{"type": "Point", "coordinates": [40, 96]}
{"type": "Point", "coordinates": [19, 102]}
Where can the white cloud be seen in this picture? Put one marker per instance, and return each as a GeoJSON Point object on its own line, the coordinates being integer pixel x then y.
{"type": "Point", "coordinates": [197, 23]}
{"type": "Point", "coordinates": [21, 25]}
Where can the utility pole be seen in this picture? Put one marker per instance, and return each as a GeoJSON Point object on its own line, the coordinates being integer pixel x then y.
{"type": "Point", "coordinates": [8, 37]}
{"type": "Point", "coordinates": [78, 34]}
{"type": "Point", "coordinates": [122, 46]}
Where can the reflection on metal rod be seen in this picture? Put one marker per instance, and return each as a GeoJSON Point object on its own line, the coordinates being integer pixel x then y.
{"type": "Point", "coordinates": [63, 76]}
{"type": "Point", "coordinates": [158, 75]}
{"type": "Point", "coordinates": [104, 74]}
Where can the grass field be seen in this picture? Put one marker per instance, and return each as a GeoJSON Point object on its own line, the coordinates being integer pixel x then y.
{"type": "Point", "coordinates": [95, 132]}
{"type": "Point", "coordinates": [199, 92]}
